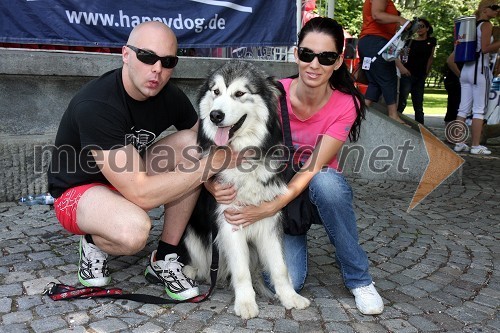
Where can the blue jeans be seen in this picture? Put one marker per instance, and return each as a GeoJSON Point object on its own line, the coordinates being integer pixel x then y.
{"type": "Point", "coordinates": [415, 86]}
{"type": "Point", "coordinates": [331, 193]}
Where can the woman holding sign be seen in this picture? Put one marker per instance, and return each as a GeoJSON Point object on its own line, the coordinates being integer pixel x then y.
{"type": "Point", "coordinates": [381, 20]}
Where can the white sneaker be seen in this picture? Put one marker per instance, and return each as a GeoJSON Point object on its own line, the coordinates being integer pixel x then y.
{"type": "Point", "coordinates": [169, 273]}
{"type": "Point", "coordinates": [368, 301]}
{"type": "Point", "coordinates": [480, 150]}
{"type": "Point", "coordinates": [93, 268]}
{"type": "Point", "coordinates": [461, 147]}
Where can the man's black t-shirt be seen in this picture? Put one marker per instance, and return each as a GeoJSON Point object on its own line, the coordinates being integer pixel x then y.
{"type": "Point", "coordinates": [102, 116]}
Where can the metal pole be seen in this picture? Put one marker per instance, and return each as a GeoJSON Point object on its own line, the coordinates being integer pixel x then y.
{"type": "Point", "coordinates": [299, 15]}
{"type": "Point", "coordinates": [331, 8]}
{"type": "Point", "coordinates": [289, 53]}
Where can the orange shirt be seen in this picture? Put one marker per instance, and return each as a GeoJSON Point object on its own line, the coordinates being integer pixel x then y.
{"type": "Point", "coordinates": [370, 27]}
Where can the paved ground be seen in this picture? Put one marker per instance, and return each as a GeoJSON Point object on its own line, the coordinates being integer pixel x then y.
{"type": "Point", "coordinates": [436, 267]}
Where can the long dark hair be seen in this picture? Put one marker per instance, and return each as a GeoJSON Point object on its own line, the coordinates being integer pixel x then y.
{"type": "Point", "coordinates": [427, 25]}
{"type": "Point", "coordinates": [341, 79]}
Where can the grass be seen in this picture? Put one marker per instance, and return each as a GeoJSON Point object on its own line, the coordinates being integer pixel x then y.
{"type": "Point", "coordinates": [434, 102]}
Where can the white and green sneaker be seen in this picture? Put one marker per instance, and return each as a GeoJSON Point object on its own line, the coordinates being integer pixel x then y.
{"type": "Point", "coordinates": [169, 273]}
{"type": "Point", "coordinates": [93, 267]}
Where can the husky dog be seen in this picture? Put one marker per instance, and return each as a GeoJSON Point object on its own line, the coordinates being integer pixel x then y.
{"type": "Point", "coordinates": [238, 108]}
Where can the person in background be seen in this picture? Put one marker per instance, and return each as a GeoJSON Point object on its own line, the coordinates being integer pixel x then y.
{"type": "Point", "coordinates": [325, 108]}
{"type": "Point", "coordinates": [416, 68]}
{"type": "Point", "coordinates": [452, 86]}
{"type": "Point", "coordinates": [475, 80]}
{"type": "Point", "coordinates": [109, 166]}
{"type": "Point", "coordinates": [380, 23]}
{"type": "Point", "coordinates": [492, 127]}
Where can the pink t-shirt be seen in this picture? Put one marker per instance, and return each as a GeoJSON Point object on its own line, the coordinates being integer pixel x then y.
{"type": "Point", "coordinates": [334, 119]}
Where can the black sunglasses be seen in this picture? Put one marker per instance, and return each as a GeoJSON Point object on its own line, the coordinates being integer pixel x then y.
{"type": "Point", "coordinates": [150, 58]}
{"type": "Point", "coordinates": [494, 7]}
{"type": "Point", "coordinates": [324, 58]}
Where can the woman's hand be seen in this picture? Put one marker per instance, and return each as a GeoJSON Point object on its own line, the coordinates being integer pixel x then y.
{"type": "Point", "coordinates": [404, 71]}
{"type": "Point", "coordinates": [223, 193]}
{"type": "Point", "coordinates": [247, 215]}
{"type": "Point", "coordinates": [402, 21]}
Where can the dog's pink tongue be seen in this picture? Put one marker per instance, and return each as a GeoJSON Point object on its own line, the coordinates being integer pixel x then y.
{"type": "Point", "coordinates": [222, 136]}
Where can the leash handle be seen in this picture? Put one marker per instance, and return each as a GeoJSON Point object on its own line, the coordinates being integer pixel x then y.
{"type": "Point", "coordinates": [57, 292]}
{"type": "Point", "coordinates": [61, 291]}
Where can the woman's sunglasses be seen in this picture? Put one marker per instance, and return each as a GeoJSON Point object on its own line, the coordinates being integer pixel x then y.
{"type": "Point", "coordinates": [324, 58]}
{"type": "Point", "coordinates": [150, 58]}
{"type": "Point", "coordinates": [494, 7]}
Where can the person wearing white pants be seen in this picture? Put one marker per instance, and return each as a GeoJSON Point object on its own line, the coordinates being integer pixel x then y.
{"type": "Point", "coordinates": [475, 78]}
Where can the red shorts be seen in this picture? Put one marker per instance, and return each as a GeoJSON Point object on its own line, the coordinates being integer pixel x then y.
{"type": "Point", "coordinates": [65, 206]}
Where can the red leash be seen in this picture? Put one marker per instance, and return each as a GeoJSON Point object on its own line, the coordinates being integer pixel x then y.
{"type": "Point", "coordinates": [57, 292]}
{"type": "Point", "coordinates": [61, 291]}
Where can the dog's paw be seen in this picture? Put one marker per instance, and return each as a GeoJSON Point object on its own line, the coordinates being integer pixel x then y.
{"type": "Point", "coordinates": [246, 309]}
{"type": "Point", "coordinates": [295, 301]}
{"type": "Point", "coordinates": [190, 271]}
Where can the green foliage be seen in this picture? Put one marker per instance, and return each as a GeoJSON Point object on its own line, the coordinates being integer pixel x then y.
{"type": "Point", "coordinates": [349, 14]}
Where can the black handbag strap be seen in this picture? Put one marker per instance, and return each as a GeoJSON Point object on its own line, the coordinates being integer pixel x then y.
{"type": "Point", "coordinates": [287, 134]}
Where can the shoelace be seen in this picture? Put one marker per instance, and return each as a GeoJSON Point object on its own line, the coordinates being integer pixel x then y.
{"type": "Point", "coordinates": [177, 272]}
{"type": "Point", "coordinates": [97, 259]}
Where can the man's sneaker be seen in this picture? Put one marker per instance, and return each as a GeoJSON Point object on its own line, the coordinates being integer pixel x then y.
{"type": "Point", "coordinates": [93, 268]}
{"type": "Point", "coordinates": [368, 301]}
{"type": "Point", "coordinates": [169, 272]}
{"type": "Point", "coordinates": [461, 147]}
{"type": "Point", "coordinates": [480, 150]}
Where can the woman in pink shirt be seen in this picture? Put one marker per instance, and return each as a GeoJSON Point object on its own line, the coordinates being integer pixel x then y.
{"type": "Point", "coordinates": [325, 109]}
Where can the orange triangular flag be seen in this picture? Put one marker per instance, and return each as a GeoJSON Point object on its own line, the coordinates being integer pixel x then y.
{"type": "Point", "coordinates": [443, 162]}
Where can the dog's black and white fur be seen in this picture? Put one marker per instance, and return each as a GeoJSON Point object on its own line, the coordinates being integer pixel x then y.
{"type": "Point", "coordinates": [238, 107]}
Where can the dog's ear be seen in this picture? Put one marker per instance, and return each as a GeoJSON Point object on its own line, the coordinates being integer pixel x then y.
{"type": "Point", "coordinates": [273, 80]}
{"type": "Point", "coordinates": [275, 86]}
{"type": "Point", "coordinates": [205, 86]}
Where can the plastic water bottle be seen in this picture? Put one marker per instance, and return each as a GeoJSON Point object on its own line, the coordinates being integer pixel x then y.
{"type": "Point", "coordinates": [37, 199]}
{"type": "Point", "coordinates": [496, 84]}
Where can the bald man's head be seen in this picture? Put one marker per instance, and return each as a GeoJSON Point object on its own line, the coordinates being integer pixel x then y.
{"type": "Point", "coordinates": [143, 79]}
{"type": "Point", "coordinates": [152, 29]}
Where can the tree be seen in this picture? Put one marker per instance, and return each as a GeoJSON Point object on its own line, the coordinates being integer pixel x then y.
{"type": "Point", "coordinates": [349, 14]}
